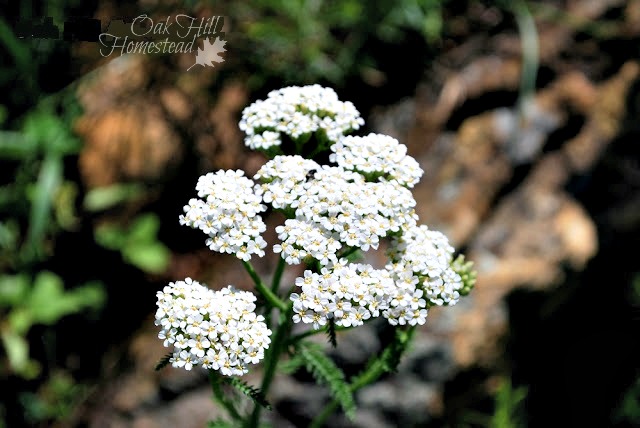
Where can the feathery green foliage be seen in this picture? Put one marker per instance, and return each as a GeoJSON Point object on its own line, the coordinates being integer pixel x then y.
{"type": "Point", "coordinates": [291, 365]}
{"type": "Point", "coordinates": [254, 393]}
{"type": "Point", "coordinates": [395, 349]}
{"type": "Point", "coordinates": [325, 371]}
{"type": "Point", "coordinates": [164, 362]}
{"type": "Point", "coordinates": [220, 423]}
{"type": "Point", "coordinates": [331, 333]}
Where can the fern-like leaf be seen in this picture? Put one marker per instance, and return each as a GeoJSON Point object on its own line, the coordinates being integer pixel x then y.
{"type": "Point", "coordinates": [331, 333]}
{"type": "Point", "coordinates": [254, 393]}
{"type": "Point", "coordinates": [325, 371]}
{"type": "Point", "coordinates": [164, 362]}
{"type": "Point", "coordinates": [393, 352]}
{"type": "Point", "coordinates": [219, 423]}
{"type": "Point", "coordinates": [291, 365]}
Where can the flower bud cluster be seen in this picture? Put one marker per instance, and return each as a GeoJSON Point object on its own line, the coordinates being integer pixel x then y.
{"type": "Point", "coordinates": [228, 213]}
{"type": "Point", "coordinates": [214, 329]}
{"type": "Point", "coordinates": [297, 112]}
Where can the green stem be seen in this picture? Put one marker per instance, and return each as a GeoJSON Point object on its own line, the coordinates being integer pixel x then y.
{"type": "Point", "coordinates": [378, 364]}
{"type": "Point", "coordinates": [275, 282]}
{"type": "Point", "coordinates": [218, 393]}
{"type": "Point", "coordinates": [327, 411]}
{"type": "Point", "coordinates": [271, 297]}
{"type": "Point", "coordinates": [278, 345]}
{"type": "Point", "coordinates": [348, 252]}
{"type": "Point", "coordinates": [275, 285]}
{"type": "Point", "coordinates": [530, 53]}
{"type": "Point", "coordinates": [374, 370]}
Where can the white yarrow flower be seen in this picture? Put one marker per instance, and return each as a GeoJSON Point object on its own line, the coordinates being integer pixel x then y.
{"type": "Point", "coordinates": [377, 155]}
{"type": "Point", "coordinates": [347, 293]}
{"type": "Point", "coordinates": [423, 261]}
{"type": "Point", "coordinates": [362, 199]}
{"type": "Point", "coordinates": [226, 336]}
{"type": "Point", "coordinates": [297, 112]}
{"type": "Point", "coordinates": [228, 213]}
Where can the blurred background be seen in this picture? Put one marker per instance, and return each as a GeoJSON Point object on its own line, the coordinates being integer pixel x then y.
{"type": "Point", "coordinates": [524, 116]}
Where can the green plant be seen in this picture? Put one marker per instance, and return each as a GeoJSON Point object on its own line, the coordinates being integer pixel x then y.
{"type": "Point", "coordinates": [38, 204]}
{"type": "Point", "coordinates": [628, 410]}
{"type": "Point", "coordinates": [137, 243]}
{"type": "Point", "coordinates": [43, 301]}
{"type": "Point", "coordinates": [508, 411]}
{"type": "Point", "coordinates": [309, 40]}
{"type": "Point", "coordinates": [342, 196]}
{"type": "Point", "coordinates": [55, 399]}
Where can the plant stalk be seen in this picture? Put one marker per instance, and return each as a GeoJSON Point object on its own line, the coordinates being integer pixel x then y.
{"type": "Point", "coordinates": [271, 297]}
{"type": "Point", "coordinates": [278, 345]}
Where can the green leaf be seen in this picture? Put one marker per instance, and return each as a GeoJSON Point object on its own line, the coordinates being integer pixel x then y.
{"type": "Point", "coordinates": [90, 295]}
{"type": "Point", "coordinates": [144, 228]}
{"type": "Point", "coordinates": [325, 371]}
{"type": "Point", "coordinates": [150, 257]}
{"type": "Point", "coordinates": [393, 352]}
{"type": "Point", "coordinates": [291, 365]}
{"type": "Point", "coordinates": [254, 393]}
{"type": "Point", "coordinates": [17, 349]}
{"type": "Point", "coordinates": [164, 362]}
{"type": "Point", "coordinates": [9, 232]}
{"type": "Point", "coordinates": [102, 198]}
{"type": "Point", "coordinates": [110, 236]}
{"type": "Point", "coordinates": [331, 333]}
{"type": "Point", "coordinates": [49, 302]}
{"type": "Point", "coordinates": [21, 320]}
{"type": "Point", "coordinates": [51, 133]}
{"type": "Point", "coordinates": [13, 289]}
{"type": "Point", "coordinates": [46, 302]}
{"type": "Point", "coordinates": [18, 49]}
{"type": "Point", "coordinates": [16, 145]}
{"type": "Point", "coordinates": [220, 423]}
{"type": "Point", "coordinates": [508, 405]}
{"type": "Point", "coordinates": [48, 182]}
{"type": "Point", "coordinates": [138, 244]}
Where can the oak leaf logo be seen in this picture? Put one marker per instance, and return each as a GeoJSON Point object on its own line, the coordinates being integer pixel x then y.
{"type": "Point", "coordinates": [209, 54]}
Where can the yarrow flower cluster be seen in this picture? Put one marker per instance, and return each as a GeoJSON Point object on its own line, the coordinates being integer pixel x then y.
{"type": "Point", "coordinates": [351, 205]}
{"type": "Point", "coordinates": [228, 213]}
{"type": "Point", "coordinates": [218, 330]}
{"type": "Point", "coordinates": [347, 293]}
{"type": "Point", "coordinates": [297, 112]}
{"type": "Point", "coordinates": [377, 155]}
{"type": "Point", "coordinates": [427, 256]}
{"type": "Point", "coordinates": [419, 277]}
{"type": "Point", "coordinates": [331, 208]}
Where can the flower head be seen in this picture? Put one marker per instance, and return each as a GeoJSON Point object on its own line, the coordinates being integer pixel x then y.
{"type": "Point", "coordinates": [297, 112]}
{"type": "Point", "coordinates": [377, 155]}
{"type": "Point", "coordinates": [228, 213]}
{"type": "Point", "coordinates": [331, 208]}
{"type": "Point", "coordinates": [427, 257]}
{"type": "Point", "coordinates": [347, 293]}
{"type": "Point", "coordinates": [215, 329]}
{"type": "Point", "coordinates": [360, 199]}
